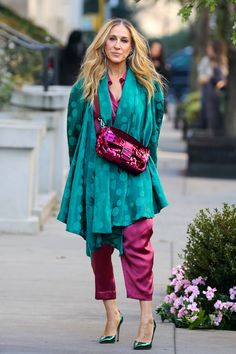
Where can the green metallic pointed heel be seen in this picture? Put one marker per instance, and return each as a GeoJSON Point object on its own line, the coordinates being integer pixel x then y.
{"type": "Point", "coordinates": [112, 339]}
{"type": "Point", "coordinates": [145, 345]}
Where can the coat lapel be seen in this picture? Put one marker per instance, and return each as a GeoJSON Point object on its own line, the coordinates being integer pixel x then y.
{"type": "Point", "coordinates": [126, 105]}
{"type": "Point", "coordinates": [127, 102]}
{"type": "Point", "coordinates": [104, 101]}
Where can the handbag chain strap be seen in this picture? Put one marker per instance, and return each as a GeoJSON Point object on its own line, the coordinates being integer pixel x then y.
{"type": "Point", "coordinates": [99, 123]}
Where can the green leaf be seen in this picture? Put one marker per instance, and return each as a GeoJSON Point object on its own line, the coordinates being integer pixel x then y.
{"type": "Point", "coordinates": [185, 11]}
{"type": "Point", "coordinates": [211, 4]}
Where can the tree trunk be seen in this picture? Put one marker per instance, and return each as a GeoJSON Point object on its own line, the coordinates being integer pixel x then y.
{"type": "Point", "coordinates": [199, 43]}
{"type": "Point", "coordinates": [230, 121]}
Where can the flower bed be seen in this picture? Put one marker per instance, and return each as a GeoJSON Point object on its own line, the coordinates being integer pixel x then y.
{"type": "Point", "coordinates": [195, 304]}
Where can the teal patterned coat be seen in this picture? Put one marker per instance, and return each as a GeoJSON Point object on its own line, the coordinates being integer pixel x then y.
{"type": "Point", "coordinates": [99, 198]}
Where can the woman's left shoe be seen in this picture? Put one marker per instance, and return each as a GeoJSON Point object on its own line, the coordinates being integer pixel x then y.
{"type": "Point", "coordinates": [112, 339]}
{"type": "Point", "coordinates": [145, 345]}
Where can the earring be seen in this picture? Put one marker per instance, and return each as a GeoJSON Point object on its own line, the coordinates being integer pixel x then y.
{"type": "Point", "coordinates": [130, 56]}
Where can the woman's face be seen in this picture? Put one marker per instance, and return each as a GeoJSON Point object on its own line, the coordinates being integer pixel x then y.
{"type": "Point", "coordinates": [118, 44]}
{"type": "Point", "coordinates": [210, 51]}
{"type": "Point", "coordinates": [155, 50]}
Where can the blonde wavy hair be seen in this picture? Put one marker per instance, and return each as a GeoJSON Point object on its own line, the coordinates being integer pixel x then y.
{"type": "Point", "coordinates": [94, 65]}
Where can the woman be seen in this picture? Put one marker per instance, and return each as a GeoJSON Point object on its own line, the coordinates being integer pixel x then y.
{"type": "Point", "coordinates": [158, 59]}
{"type": "Point", "coordinates": [212, 75]}
{"type": "Point", "coordinates": [70, 58]}
{"type": "Point", "coordinates": [109, 207]}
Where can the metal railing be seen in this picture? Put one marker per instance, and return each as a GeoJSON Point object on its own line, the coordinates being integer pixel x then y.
{"type": "Point", "coordinates": [48, 51]}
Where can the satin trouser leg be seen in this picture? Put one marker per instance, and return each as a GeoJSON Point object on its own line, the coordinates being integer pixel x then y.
{"type": "Point", "coordinates": [137, 263]}
{"type": "Point", "coordinates": [137, 260]}
{"type": "Point", "coordinates": [105, 288]}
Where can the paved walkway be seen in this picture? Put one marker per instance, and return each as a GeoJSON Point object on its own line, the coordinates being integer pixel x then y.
{"type": "Point", "coordinates": [46, 290]}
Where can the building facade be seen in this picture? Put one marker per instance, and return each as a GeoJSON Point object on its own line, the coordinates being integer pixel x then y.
{"type": "Point", "coordinates": [60, 17]}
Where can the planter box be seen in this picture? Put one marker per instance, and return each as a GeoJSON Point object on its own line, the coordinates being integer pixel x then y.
{"type": "Point", "coordinates": [34, 166]}
{"type": "Point", "coordinates": [19, 147]}
{"type": "Point", "coordinates": [211, 156]}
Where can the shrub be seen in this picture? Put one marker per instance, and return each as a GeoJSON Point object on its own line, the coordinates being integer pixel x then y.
{"type": "Point", "coordinates": [202, 292]}
{"type": "Point", "coordinates": [191, 107]}
{"type": "Point", "coordinates": [211, 247]}
{"type": "Point", "coordinates": [25, 65]}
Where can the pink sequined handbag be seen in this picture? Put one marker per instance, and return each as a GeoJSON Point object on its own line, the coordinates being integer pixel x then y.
{"type": "Point", "coordinates": [119, 147]}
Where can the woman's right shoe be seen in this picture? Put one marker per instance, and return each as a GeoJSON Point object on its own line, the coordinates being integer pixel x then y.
{"type": "Point", "coordinates": [145, 345]}
{"type": "Point", "coordinates": [112, 339]}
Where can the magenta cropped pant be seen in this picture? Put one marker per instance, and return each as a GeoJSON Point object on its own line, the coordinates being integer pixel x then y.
{"type": "Point", "coordinates": [137, 264]}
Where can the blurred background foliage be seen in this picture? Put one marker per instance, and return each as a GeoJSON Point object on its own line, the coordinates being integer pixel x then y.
{"type": "Point", "coordinates": [27, 27]}
{"type": "Point", "coordinates": [19, 65]}
{"type": "Point", "coordinates": [6, 82]}
{"type": "Point", "coordinates": [191, 107]}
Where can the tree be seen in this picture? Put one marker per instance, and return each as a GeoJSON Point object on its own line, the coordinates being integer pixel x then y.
{"type": "Point", "coordinates": [225, 13]}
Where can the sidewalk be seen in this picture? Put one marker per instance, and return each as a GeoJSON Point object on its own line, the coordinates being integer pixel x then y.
{"type": "Point", "coordinates": [47, 288]}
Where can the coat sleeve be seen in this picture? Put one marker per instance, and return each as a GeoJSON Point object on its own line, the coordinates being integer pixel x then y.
{"type": "Point", "coordinates": [75, 112]}
{"type": "Point", "coordinates": [158, 109]}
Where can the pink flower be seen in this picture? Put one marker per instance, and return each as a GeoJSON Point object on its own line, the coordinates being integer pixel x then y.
{"type": "Point", "coordinates": [185, 283]}
{"type": "Point", "coordinates": [173, 296]}
{"type": "Point", "coordinates": [192, 289]}
{"type": "Point", "coordinates": [173, 310]}
{"type": "Point", "coordinates": [233, 308]}
{"type": "Point", "coordinates": [193, 307]}
{"type": "Point", "coordinates": [178, 286]}
{"type": "Point", "coordinates": [173, 281]}
{"type": "Point", "coordinates": [193, 318]}
{"type": "Point", "coordinates": [179, 277]}
{"type": "Point", "coordinates": [218, 319]}
{"type": "Point", "coordinates": [218, 305]}
{"type": "Point", "coordinates": [181, 312]}
{"type": "Point", "coordinates": [199, 281]}
{"type": "Point", "coordinates": [178, 280]}
{"type": "Point", "coordinates": [178, 270]}
{"type": "Point", "coordinates": [232, 292]}
{"type": "Point", "coordinates": [186, 298]}
{"type": "Point", "coordinates": [227, 304]}
{"type": "Point", "coordinates": [169, 299]}
{"type": "Point", "coordinates": [178, 302]}
{"type": "Point", "coordinates": [210, 293]}
{"type": "Point", "coordinates": [192, 297]}
{"type": "Point", "coordinates": [189, 299]}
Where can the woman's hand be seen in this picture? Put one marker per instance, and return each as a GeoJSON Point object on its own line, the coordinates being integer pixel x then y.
{"type": "Point", "coordinates": [203, 79]}
{"type": "Point", "coordinates": [220, 84]}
